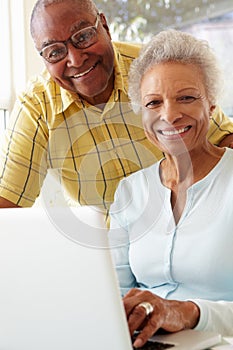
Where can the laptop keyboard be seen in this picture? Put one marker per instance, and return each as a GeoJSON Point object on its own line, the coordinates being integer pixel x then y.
{"type": "Point", "coordinates": [154, 345]}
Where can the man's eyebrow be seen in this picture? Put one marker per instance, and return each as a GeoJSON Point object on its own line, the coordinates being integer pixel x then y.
{"type": "Point", "coordinates": [48, 42]}
{"type": "Point", "coordinates": [79, 25]}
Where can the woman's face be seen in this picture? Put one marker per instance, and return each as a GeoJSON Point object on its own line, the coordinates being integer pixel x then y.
{"type": "Point", "coordinates": [176, 109]}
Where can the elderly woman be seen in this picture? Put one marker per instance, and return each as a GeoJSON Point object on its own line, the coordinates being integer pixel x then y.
{"type": "Point", "coordinates": [172, 223]}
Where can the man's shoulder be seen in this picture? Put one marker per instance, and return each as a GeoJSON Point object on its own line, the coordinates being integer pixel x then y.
{"type": "Point", "coordinates": [40, 83]}
{"type": "Point", "coordinates": [130, 50]}
{"type": "Point", "coordinates": [41, 89]}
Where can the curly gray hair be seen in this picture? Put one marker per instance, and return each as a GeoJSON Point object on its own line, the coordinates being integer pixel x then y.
{"type": "Point", "coordinates": [174, 45]}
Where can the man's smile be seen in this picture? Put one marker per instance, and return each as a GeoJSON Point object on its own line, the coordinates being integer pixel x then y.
{"type": "Point", "coordinates": [81, 74]}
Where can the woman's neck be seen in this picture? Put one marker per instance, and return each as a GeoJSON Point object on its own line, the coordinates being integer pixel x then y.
{"type": "Point", "coordinates": [178, 173]}
{"type": "Point", "coordinates": [189, 167]}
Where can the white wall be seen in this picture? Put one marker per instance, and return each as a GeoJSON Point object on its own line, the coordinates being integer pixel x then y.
{"type": "Point", "coordinates": [25, 61]}
{"type": "Point", "coordinates": [34, 63]}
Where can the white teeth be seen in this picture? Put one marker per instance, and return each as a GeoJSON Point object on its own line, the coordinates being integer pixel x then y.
{"type": "Point", "coordinates": [83, 73]}
{"type": "Point", "coordinates": [174, 132]}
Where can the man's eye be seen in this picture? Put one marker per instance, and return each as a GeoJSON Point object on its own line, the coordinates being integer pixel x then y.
{"type": "Point", "coordinates": [56, 52]}
{"type": "Point", "coordinates": [83, 37]}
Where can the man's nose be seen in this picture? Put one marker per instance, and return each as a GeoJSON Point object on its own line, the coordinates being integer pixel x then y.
{"type": "Point", "coordinates": [75, 57]}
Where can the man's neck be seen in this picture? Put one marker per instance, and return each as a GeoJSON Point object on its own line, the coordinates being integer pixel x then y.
{"type": "Point", "coordinates": [100, 100]}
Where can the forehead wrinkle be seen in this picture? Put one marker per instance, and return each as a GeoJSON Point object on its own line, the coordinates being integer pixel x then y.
{"type": "Point", "coordinates": [173, 91]}
{"type": "Point", "coordinates": [188, 88]}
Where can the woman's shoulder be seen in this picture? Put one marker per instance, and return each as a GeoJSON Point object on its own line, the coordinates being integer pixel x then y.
{"type": "Point", "coordinates": [136, 187]}
{"type": "Point", "coordinates": [142, 174]}
{"type": "Point", "coordinates": [228, 157]}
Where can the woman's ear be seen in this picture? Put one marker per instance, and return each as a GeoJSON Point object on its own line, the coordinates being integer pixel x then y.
{"type": "Point", "coordinates": [105, 24]}
{"type": "Point", "coordinates": [212, 108]}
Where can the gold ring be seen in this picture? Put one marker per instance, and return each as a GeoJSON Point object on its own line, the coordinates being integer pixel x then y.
{"type": "Point", "coordinates": [147, 306]}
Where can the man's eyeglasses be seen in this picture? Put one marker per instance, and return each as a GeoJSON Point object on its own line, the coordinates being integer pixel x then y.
{"type": "Point", "coordinates": [82, 39]}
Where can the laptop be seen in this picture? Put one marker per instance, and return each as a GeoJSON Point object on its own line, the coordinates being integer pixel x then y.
{"type": "Point", "coordinates": [59, 289]}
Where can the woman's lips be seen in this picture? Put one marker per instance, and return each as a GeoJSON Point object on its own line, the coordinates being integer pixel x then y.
{"type": "Point", "coordinates": [174, 131]}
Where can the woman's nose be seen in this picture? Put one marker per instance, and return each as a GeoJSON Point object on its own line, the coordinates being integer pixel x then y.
{"type": "Point", "coordinates": [170, 113]}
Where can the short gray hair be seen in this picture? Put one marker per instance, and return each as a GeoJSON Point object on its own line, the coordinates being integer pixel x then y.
{"type": "Point", "coordinates": [88, 5]}
{"type": "Point", "coordinates": [173, 45]}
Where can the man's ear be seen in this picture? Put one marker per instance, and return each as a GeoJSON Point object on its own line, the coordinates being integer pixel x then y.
{"type": "Point", "coordinates": [105, 24]}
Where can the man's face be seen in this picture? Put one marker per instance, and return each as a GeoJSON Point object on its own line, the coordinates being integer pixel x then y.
{"type": "Point", "coordinates": [88, 71]}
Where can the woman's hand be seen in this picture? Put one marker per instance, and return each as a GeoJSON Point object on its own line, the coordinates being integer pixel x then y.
{"type": "Point", "coordinates": [169, 315]}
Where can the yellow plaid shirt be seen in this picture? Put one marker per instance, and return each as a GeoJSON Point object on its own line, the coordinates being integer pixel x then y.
{"type": "Point", "coordinates": [88, 149]}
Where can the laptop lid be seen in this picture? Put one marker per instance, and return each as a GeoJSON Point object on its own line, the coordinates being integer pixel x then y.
{"type": "Point", "coordinates": [59, 289]}
{"type": "Point", "coordinates": [54, 292]}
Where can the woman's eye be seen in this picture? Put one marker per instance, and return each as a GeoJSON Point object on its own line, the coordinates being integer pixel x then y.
{"type": "Point", "coordinates": [187, 98]}
{"type": "Point", "coordinates": [153, 103]}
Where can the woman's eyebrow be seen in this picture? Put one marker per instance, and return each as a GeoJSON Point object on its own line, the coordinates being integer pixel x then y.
{"type": "Point", "coordinates": [188, 88]}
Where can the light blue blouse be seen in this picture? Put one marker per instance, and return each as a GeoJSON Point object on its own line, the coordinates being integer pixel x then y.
{"type": "Point", "coordinates": [191, 260]}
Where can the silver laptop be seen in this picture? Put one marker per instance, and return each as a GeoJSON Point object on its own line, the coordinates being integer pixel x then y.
{"type": "Point", "coordinates": [59, 290]}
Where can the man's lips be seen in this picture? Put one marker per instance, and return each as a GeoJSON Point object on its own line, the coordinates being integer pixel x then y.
{"type": "Point", "coordinates": [174, 131]}
{"type": "Point", "coordinates": [81, 74]}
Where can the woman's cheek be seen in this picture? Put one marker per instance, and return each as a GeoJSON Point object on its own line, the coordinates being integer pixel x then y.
{"type": "Point", "coordinates": [151, 137]}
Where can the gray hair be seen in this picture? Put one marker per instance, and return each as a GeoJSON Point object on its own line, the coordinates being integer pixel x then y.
{"type": "Point", "coordinates": [172, 45]}
{"type": "Point", "coordinates": [87, 5]}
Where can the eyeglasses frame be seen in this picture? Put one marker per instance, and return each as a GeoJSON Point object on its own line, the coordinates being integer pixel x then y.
{"type": "Point", "coordinates": [69, 40]}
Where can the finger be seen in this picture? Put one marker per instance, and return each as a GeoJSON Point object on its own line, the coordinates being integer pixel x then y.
{"type": "Point", "coordinates": [129, 306]}
{"type": "Point", "coordinates": [132, 292]}
{"type": "Point", "coordinates": [135, 297]}
{"type": "Point", "coordinates": [130, 300]}
{"type": "Point", "coordinates": [147, 332]}
{"type": "Point", "coordinates": [136, 319]}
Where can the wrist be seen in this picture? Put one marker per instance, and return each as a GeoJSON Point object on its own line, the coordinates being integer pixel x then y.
{"type": "Point", "coordinates": [193, 314]}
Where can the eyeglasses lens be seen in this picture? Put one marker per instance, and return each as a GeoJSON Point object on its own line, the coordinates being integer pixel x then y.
{"type": "Point", "coordinates": [81, 40]}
